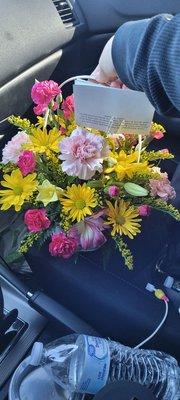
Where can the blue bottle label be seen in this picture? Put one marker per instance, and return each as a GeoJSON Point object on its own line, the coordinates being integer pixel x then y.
{"type": "Point", "coordinates": [96, 363]}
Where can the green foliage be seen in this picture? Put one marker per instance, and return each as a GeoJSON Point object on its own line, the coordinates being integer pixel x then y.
{"type": "Point", "coordinates": [51, 171]}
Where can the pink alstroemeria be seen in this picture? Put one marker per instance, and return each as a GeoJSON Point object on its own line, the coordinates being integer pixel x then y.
{"type": "Point", "coordinates": [89, 232]}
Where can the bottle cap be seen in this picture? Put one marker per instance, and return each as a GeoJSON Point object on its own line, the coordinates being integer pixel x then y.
{"type": "Point", "coordinates": [36, 354]}
{"type": "Point", "coordinates": [169, 282]}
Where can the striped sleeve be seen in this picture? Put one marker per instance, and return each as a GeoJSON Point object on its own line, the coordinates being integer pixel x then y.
{"type": "Point", "coordinates": [146, 56]}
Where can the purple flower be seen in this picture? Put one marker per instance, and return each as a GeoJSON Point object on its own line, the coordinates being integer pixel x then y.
{"type": "Point", "coordinates": [162, 188]}
{"type": "Point", "coordinates": [82, 154]}
{"type": "Point", "coordinates": [88, 233]}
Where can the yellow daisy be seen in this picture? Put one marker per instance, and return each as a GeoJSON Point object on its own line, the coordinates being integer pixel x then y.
{"type": "Point", "coordinates": [79, 201]}
{"type": "Point", "coordinates": [123, 218]}
{"type": "Point", "coordinates": [126, 165]}
{"type": "Point", "coordinates": [18, 190]}
{"type": "Point", "coordinates": [44, 142]}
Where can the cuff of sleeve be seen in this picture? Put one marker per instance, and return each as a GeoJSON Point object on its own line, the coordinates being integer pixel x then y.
{"type": "Point", "coordinates": [124, 50]}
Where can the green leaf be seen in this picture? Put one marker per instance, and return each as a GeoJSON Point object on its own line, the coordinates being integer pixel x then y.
{"type": "Point", "coordinates": [15, 256]}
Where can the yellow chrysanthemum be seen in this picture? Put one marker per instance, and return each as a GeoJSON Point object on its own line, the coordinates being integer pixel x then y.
{"type": "Point", "coordinates": [126, 165]}
{"type": "Point", "coordinates": [44, 142]}
{"type": "Point", "coordinates": [79, 201]}
{"type": "Point", "coordinates": [124, 219]}
{"type": "Point", "coordinates": [18, 190]}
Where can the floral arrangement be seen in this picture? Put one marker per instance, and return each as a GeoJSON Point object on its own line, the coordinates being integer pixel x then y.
{"type": "Point", "coordinates": [76, 186]}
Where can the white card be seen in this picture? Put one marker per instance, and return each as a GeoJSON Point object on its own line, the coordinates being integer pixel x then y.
{"type": "Point", "coordinates": [112, 110]}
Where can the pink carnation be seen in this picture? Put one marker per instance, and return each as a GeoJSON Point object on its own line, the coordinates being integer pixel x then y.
{"type": "Point", "coordinates": [36, 220]}
{"type": "Point", "coordinates": [144, 210]}
{"type": "Point", "coordinates": [27, 162]}
{"type": "Point", "coordinates": [113, 191]}
{"type": "Point", "coordinates": [68, 106]}
{"type": "Point", "coordinates": [62, 245]}
{"type": "Point", "coordinates": [157, 135]}
{"type": "Point", "coordinates": [43, 93]}
{"type": "Point", "coordinates": [82, 154]}
{"type": "Point", "coordinates": [13, 148]}
{"type": "Point", "coordinates": [165, 151]}
{"type": "Point", "coordinates": [162, 188]}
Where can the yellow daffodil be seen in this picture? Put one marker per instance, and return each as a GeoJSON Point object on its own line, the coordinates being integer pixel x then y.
{"type": "Point", "coordinates": [18, 189]}
{"type": "Point", "coordinates": [124, 219]}
{"type": "Point", "coordinates": [44, 142]}
{"type": "Point", "coordinates": [48, 193]}
{"type": "Point", "coordinates": [126, 165]}
{"type": "Point", "coordinates": [79, 201]}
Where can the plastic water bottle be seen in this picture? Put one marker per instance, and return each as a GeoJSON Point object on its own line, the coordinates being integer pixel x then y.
{"type": "Point", "coordinates": [84, 364]}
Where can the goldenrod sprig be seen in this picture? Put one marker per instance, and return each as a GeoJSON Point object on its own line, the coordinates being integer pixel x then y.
{"type": "Point", "coordinates": [22, 123]}
{"type": "Point", "coordinates": [164, 207]}
{"type": "Point", "coordinates": [125, 251]}
{"type": "Point", "coordinates": [151, 156]}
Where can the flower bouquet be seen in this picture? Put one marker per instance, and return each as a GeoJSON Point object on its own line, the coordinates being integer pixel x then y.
{"type": "Point", "coordinates": [77, 187]}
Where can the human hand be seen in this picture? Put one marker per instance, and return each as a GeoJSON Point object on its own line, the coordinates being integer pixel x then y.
{"type": "Point", "coordinates": [105, 71]}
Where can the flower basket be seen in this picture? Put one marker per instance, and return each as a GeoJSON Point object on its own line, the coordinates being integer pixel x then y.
{"type": "Point", "coordinates": [78, 188]}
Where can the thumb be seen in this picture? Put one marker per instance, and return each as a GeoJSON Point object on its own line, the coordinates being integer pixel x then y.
{"type": "Point", "coordinates": [98, 75]}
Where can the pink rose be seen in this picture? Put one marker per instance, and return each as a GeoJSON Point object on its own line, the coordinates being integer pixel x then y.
{"type": "Point", "coordinates": [144, 210]}
{"type": "Point", "coordinates": [36, 220]}
{"type": "Point", "coordinates": [27, 162]}
{"type": "Point", "coordinates": [113, 191]}
{"type": "Point", "coordinates": [68, 106]}
{"type": "Point", "coordinates": [62, 245]}
{"type": "Point", "coordinates": [43, 93]}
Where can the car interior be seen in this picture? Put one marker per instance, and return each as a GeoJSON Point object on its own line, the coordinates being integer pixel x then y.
{"type": "Point", "coordinates": [40, 297]}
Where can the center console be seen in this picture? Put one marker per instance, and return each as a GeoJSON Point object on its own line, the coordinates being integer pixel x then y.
{"type": "Point", "coordinates": [23, 325]}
